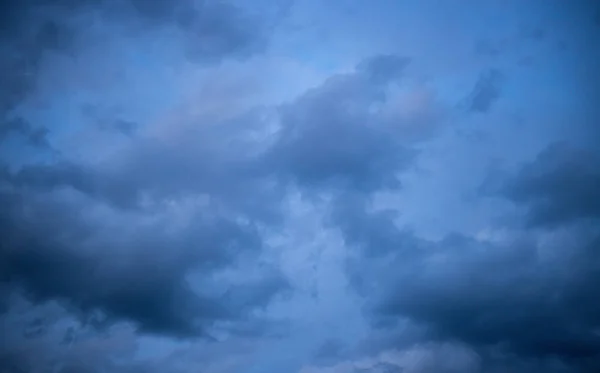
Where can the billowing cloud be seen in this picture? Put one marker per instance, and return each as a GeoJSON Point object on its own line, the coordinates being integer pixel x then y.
{"type": "Point", "coordinates": [526, 293]}
{"type": "Point", "coordinates": [335, 134]}
{"type": "Point", "coordinates": [560, 186]}
{"type": "Point", "coordinates": [276, 186]}
{"type": "Point", "coordinates": [141, 276]}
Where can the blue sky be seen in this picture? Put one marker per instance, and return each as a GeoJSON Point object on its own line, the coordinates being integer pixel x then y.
{"type": "Point", "coordinates": [299, 186]}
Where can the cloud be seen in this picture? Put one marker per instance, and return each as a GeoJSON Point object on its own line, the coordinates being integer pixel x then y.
{"type": "Point", "coordinates": [109, 120]}
{"type": "Point", "coordinates": [60, 342]}
{"type": "Point", "coordinates": [57, 248]}
{"type": "Point", "coordinates": [562, 185]}
{"type": "Point", "coordinates": [200, 209]}
{"type": "Point", "coordinates": [216, 159]}
{"type": "Point", "coordinates": [334, 136]}
{"type": "Point", "coordinates": [527, 293]}
{"type": "Point", "coordinates": [485, 296]}
{"type": "Point", "coordinates": [36, 137]}
{"type": "Point", "coordinates": [66, 344]}
{"type": "Point", "coordinates": [485, 92]}
{"type": "Point", "coordinates": [35, 30]}
{"type": "Point", "coordinates": [419, 358]}
{"type": "Point", "coordinates": [163, 234]}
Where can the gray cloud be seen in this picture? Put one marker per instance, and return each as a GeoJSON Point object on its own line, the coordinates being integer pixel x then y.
{"type": "Point", "coordinates": [142, 279]}
{"type": "Point", "coordinates": [485, 92]}
{"type": "Point", "coordinates": [487, 295]}
{"type": "Point", "coordinates": [36, 137]}
{"type": "Point", "coordinates": [531, 298]}
{"type": "Point", "coordinates": [219, 161]}
{"type": "Point", "coordinates": [63, 345]}
{"type": "Point", "coordinates": [181, 226]}
{"type": "Point", "coordinates": [562, 185]}
{"type": "Point", "coordinates": [331, 138]}
{"type": "Point", "coordinates": [214, 161]}
{"type": "Point", "coordinates": [34, 29]}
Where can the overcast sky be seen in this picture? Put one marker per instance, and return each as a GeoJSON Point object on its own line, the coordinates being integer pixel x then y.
{"type": "Point", "coordinates": [299, 186]}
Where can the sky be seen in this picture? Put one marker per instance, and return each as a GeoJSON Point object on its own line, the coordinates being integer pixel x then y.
{"type": "Point", "coordinates": [299, 186]}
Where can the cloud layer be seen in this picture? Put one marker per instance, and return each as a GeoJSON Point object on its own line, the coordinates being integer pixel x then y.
{"type": "Point", "coordinates": [299, 187]}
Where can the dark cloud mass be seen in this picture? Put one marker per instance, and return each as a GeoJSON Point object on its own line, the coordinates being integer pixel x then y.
{"type": "Point", "coordinates": [52, 250]}
{"type": "Point", "coordinates": [141, 279]}
{"type": "Point", "coordinates": [222, 186]}
{"type": "Point", "coordinates": [330, 136]}
{"type": "Point", "coordinates": [49, 267]}
{"type": "Point", "coordinates": [525, 295]}
{"type": "Point", "coordinates": [560, 186]}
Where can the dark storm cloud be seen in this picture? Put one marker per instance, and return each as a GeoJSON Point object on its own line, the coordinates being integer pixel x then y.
{"type": "Point", "coordinates": [485, 92]}
{"type": "Point", "coordinates": [217, 161]}
{"type": "Point", "coordinates": [54, 251]}
{"type": "Point", "coordinates": [50, 252]}
{"type": "Point", "coordinates": [330, 137]}
{"type": "Point", "coordinates": [562, 185]}
{"type": "Point", "coordinates": [487, 295]}
{"type": "Point", "coordinates": [535, 301]}
{"type": "Point", "coordinates": [533, 304]}
{"type": "Point", "coordinates": [164, 224]}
